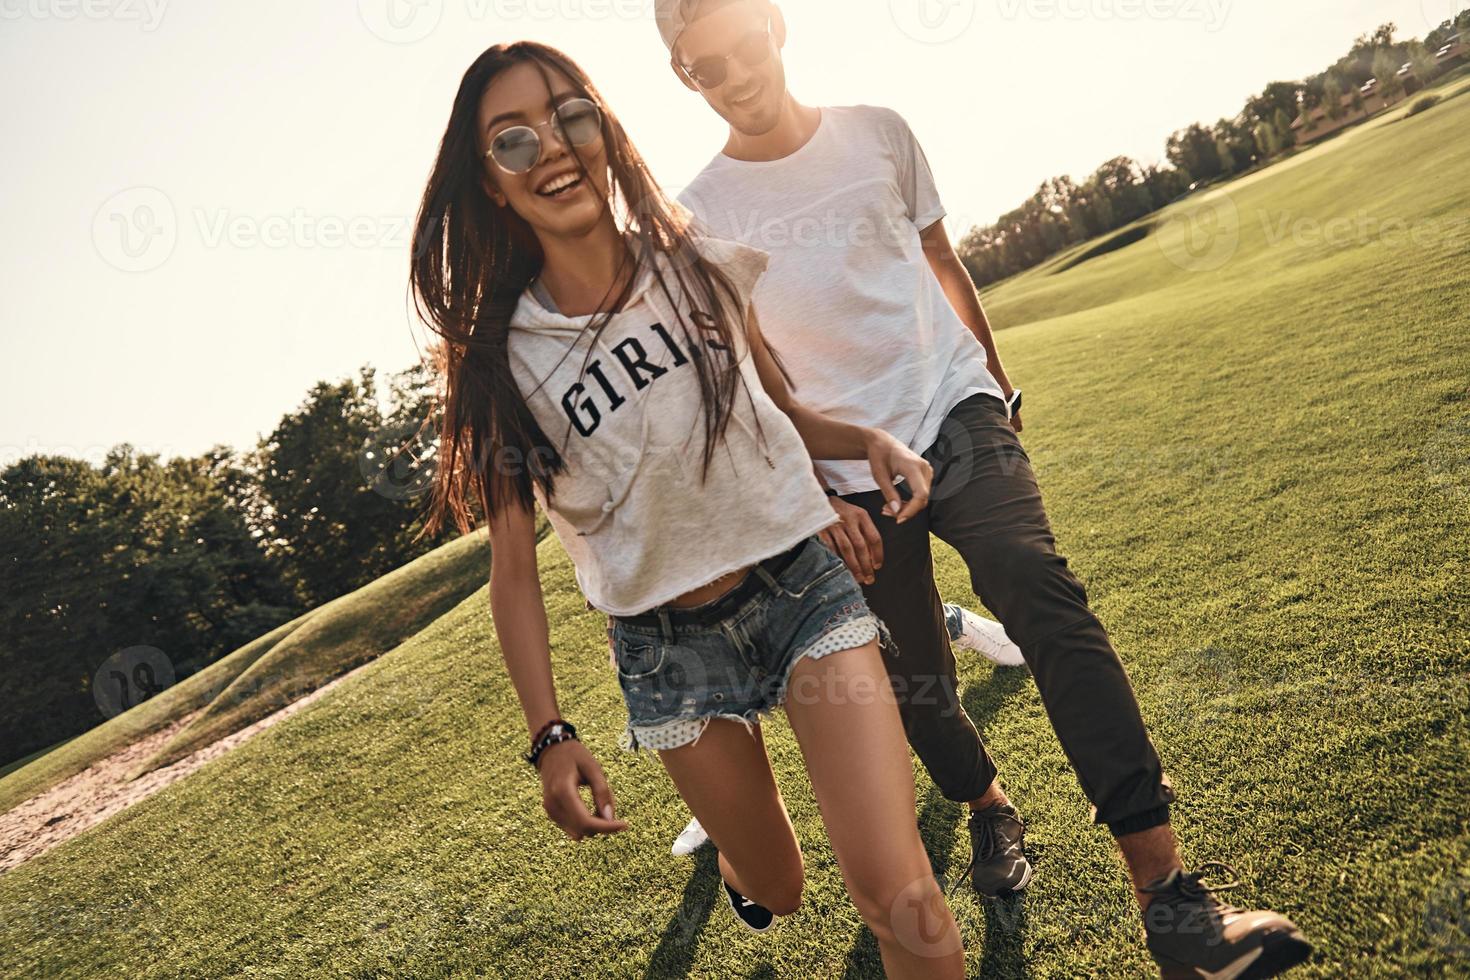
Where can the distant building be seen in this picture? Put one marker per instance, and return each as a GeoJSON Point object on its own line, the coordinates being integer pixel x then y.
{"type": "Point", "coordinates": [1454, 53]}
{"type": "Point", "coordinates": [1371, 99]}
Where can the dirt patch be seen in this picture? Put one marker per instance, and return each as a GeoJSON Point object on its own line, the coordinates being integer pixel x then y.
{"type": "Point", "coordinates": [83, 801]}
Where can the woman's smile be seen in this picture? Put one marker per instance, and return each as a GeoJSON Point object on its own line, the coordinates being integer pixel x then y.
{"type": "Point", "coordinates": [561, 185]}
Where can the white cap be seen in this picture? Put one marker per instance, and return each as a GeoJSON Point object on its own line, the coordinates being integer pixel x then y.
{"type": "Point", "coordinates": [671, 21]}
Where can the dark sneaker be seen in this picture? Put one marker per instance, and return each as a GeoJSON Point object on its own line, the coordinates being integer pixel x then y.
{"type": "Point", "coordinates": [1194, 935]}
{"type": "Point", "coordinates": [998, 866]}
{"type": "Point", "coordinates": [756, 918]}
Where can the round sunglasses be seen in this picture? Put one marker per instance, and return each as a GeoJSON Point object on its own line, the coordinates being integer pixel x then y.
{"type": "Point", "coordinates": [752, 50]}
{"type": "Point", "coordinates": [516, 149]}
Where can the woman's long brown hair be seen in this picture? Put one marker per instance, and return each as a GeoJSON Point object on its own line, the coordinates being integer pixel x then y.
{"type": "Point", "coordinates": [472, 259]}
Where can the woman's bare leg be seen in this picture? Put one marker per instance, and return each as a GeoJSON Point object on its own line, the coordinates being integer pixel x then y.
{"type": "Point", "coordinates": [725, 778]}
{"type": "Point", "coordinates": [846, 720]}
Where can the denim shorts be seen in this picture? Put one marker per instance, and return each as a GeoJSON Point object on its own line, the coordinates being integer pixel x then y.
{"type": "Point", "coordinates": [677, 675]}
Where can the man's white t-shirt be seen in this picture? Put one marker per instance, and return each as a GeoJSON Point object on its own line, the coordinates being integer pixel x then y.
{"type": "Point", "coordinates": [848, 300]}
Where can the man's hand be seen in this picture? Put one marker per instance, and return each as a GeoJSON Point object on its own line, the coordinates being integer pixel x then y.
{"type": "Point", "coordinates": [565, 767]}
{"type": "Point", "coordinates": [888, 458]}
{"type": "Point", "coordinates": [856, 540]}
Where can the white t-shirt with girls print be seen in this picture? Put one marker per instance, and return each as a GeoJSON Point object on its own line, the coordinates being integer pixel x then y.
{"type": "Point", "coordinates": [633, 509]}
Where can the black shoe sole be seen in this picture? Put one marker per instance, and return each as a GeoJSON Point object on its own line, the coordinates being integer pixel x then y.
{"type": "Point", "coordinates": [1009, 892]}
{"type": "Point", "coordinates": [1280, 952]}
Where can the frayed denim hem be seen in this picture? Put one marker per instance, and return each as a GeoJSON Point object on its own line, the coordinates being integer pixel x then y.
{"type": "Point", "coordinates": [679, 732]}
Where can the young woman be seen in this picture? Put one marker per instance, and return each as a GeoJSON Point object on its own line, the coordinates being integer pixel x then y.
{"type": "Point", "coordinates": [636, 401]}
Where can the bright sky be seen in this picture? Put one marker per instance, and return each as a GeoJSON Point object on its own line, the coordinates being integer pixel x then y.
{"type": "Point", "coordinates": [207, 204]}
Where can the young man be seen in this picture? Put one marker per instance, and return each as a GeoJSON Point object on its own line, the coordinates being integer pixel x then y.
{"type": "Point", "coordinates": [879, 324]}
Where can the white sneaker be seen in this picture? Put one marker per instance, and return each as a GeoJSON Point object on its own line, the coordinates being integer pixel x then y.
{"type": "Point", "coordinates": [971, 631]}
{"type": "Point", "coordinates": [690, 840]}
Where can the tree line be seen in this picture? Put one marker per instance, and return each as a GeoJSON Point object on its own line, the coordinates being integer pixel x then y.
{"type": "Point", "coordinates": [199, 556]}
{"type": "Point", "coordinates": [1064, 212]}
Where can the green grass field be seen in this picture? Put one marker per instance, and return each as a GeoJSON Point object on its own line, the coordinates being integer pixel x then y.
{"type": "Point", "coordinates": [1253, 430]}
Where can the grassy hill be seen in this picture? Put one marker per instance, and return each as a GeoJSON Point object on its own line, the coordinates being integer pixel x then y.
{"type": "Point", "coordinates": [1252, 425]}
{"type": "Point", "coordinates": [272, 671]}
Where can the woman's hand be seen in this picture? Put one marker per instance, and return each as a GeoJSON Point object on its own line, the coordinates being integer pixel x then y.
{"type": "Point", "coordinates": [888, 458]}
{"type": "Point", "coordinates": [565, 768]}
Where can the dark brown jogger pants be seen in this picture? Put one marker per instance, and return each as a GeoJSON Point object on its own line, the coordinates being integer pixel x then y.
{"type": "Point", "coordinates": [985, 503]}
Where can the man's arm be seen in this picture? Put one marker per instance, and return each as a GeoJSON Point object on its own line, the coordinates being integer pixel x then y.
{"type": "Point", "coordinates": [960, 292]}
{"type": "Point", "coordinates": [828, 438]}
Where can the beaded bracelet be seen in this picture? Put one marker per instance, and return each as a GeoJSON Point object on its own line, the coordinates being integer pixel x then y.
{"type": "Point", "coordinates": [551, 733]}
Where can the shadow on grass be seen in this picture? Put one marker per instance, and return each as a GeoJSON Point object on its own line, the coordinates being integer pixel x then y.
{"type": "Point", "coordinates": [1005, 920]}
{"type": "Point", "coordinates": [674, 954]}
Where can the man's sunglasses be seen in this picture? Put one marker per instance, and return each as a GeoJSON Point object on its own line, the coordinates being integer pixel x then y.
{"type": "Point", "coordinates": [516, 149]}
{"type": "Point", "coordinates": [711, 72]}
